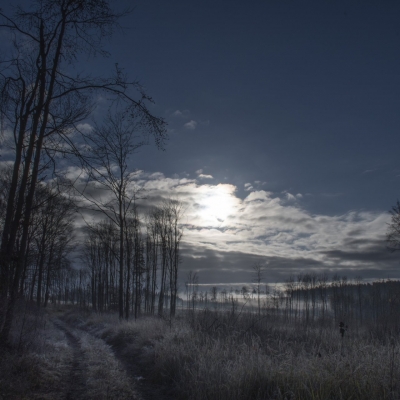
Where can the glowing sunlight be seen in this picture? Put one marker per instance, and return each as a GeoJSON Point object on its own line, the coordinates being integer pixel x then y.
{"type": "Point", "coordinates": [218, 203]}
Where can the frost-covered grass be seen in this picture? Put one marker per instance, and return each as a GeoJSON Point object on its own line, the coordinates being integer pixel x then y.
{"type": "Point", "coordinates": [38, 361]}
{"type": "Point", "coordinates": [104, 374]}
{"type": "Point", "coordinates": [221, 356]}
{"type": "Point", "coordinates": [106, 378]}
{"type": "Point", "coordinates": [38, 365]}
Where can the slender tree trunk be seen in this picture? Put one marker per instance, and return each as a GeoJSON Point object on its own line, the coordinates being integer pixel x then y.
{"type": "Point", "coordinates": [48, 277]}
{"type": "Point", "coordinates": [121, 263]}
{"type": "Point", "coordinates": [128, 278]}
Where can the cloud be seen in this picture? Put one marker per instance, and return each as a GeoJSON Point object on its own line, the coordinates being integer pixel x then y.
{"type": "Point", "coordinates": [224, 235]}
{"type": "Point", "coordinates": [292, 197]}
{"type": "Point", "coordinates": [203, 176]}
{"type": "Point", "coordinates": [85, 128]}
{"type": "Point", "coordinates": [191, 125]}
{"type": "Point", "coordinates": [181, 114]}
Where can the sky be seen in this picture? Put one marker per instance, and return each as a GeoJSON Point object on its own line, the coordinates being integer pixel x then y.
{"type": "Point", "coordinates": [283, 122]}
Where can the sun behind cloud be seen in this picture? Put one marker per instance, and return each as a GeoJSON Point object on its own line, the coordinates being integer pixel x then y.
{"type": "Point", "coordinates": [218, 202]}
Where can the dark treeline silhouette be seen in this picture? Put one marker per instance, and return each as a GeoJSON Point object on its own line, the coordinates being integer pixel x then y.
{"type": "Point", "coordinates": [313, 297]}
{"type": "Point", "coordinates": [151, 256]}
{"type": "Point", "coordinates": [308, 299]}
{"type": "Point", "coordinates": [48, 244]}
{"type": "Point", "coordinates": [42, 101]}
{"type": "Point", "coordinates": [151, 263]}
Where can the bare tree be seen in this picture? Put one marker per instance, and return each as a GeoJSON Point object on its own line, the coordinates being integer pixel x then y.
{"type": "Point", "coordinates": [258, 276]}
{"type": "Point", "coordinates": [214, 293]}
{"type": "Point", "coordinates": [42, 100]}
{"type": "Point", "coordinates": [173, 210]}
{"type": "Point", "coordinates": [112, 146]}
{"type": "Point", "coordinates": [192, 285]}
{"type": "Point", "coordinates": [393, 231]}
{"type": "Point", "coordinates": [289, 287]}
{"type": "Point", "coordinates": [99, 254]}
{"type": "Point", "coordinates": [152, 256]}
{"type": "Point", "coordinates": [322, 287]}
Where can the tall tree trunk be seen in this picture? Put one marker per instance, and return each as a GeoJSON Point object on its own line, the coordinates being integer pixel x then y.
{"type": "Point", "coordinates": [48, 277]}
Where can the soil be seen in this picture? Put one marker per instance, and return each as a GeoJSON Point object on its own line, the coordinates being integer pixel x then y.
{"type": "Point", "coordinates": [76, 387]}
{"type": "Point", "coordinates": [139, 363]}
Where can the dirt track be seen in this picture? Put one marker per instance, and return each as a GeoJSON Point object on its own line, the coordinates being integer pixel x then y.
{"type": "Point", "coordinates": [136, 364]}
{"type": "Point", "coordinates": [76, 387]}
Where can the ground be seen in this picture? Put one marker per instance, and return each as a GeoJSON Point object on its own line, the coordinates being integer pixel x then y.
{"type": "Point", "coordinates": [62, 358]}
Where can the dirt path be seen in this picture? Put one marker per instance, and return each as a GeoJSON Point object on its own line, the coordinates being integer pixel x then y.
{"type": "Point", "coordinates": [135, 366]}
{"type": "Point", "coordinates": [139, 363]}
{"type": "Point", "coordinates": [76, 386]}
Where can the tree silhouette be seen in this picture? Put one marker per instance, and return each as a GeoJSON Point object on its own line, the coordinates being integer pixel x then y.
{"type": "Point", "coordinates": [42, 100]}
{"type": "Point", "coordinates": [393, 231]}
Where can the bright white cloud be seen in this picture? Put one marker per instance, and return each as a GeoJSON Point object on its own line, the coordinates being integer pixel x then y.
{"type": "Point", "coordinates": [203, 176]}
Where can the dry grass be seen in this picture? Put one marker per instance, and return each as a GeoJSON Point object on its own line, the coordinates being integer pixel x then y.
{"type": "Point", "coordinates": [36, 365]}
{"type": "Point", "coordinates": [221, 356]}
{"type": "Point", "coordinates": [217, 356]}
{"type": "Point", "coordinates": [39, 363]}
{"type": "Point", "coordinates": [106, 378]}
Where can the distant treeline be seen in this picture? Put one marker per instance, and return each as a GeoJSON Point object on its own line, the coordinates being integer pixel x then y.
{"type": "Point", "coordinates": [313, 298]}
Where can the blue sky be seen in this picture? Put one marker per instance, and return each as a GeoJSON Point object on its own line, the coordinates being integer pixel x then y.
{"type": "Point", "coordinates": [303, 95]}
{"type": "Point", "coordinates": [294, 106]}
{"type": "Point", "coordinates": [283, 120]}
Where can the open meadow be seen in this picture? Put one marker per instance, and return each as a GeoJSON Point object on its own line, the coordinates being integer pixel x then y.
{"type": "Point", "coordinates": [211, 353]}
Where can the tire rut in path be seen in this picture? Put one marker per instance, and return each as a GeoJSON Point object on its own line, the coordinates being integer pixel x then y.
{"type": "Point", "coordinates": [137, 361]}
{"type": "Point", "coordinates": [139, 366]}
{"type": "Point", "coordinates": [76, 386]}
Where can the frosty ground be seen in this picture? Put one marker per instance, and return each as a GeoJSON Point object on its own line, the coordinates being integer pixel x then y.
{"type": "Point", "coordinates": [209, 354]}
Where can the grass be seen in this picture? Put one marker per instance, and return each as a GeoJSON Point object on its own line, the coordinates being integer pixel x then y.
{"type": "Point", "coordinates": [39, 362]}
{"type": "Point", "coordinates": [211, 355]}
{"type": "Point", "coordinates": [36, 364]}
{"type": "Point", "coordinates": [106, 378]}
{"type": "Point", "coordinates": [215, 355]}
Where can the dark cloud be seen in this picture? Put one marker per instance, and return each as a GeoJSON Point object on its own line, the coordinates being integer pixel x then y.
{"type": "Point", "coordinates": [377, 254]}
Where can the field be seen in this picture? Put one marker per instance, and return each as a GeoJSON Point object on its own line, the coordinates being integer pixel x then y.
{"type": "Point", "coordinates": [201, 354]}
